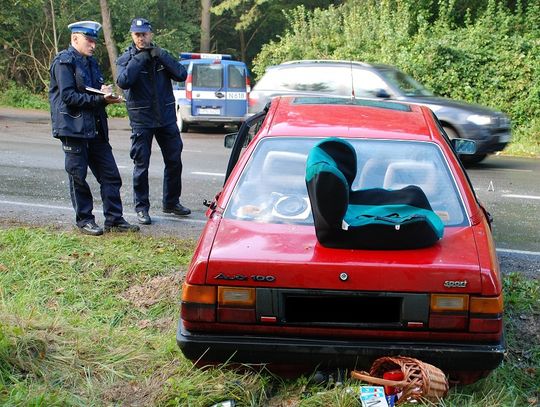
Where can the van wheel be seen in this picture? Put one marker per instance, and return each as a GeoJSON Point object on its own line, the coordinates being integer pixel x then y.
{"type": "Point", "coordinates": [182, 125]}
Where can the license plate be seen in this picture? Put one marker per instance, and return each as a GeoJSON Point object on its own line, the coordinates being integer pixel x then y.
{"type": "Point", "coordinates": [504, 138]}
{"type": "Point", "coordinates": [208, 110]}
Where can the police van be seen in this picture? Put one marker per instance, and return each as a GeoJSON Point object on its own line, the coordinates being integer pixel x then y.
{"type": "Point", "coordinates": [215, 92]}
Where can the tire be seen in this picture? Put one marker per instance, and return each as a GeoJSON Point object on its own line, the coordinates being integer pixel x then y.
{"type": "Point", "coordinates": [182, 125]}
{"type": "Point", "coordinates": [472, 159]}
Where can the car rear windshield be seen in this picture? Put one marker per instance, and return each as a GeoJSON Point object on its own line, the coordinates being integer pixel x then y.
{"type": "Point", "coordinates": [272, 187]}
{"type": "Point", "coordinates": [207, 75]}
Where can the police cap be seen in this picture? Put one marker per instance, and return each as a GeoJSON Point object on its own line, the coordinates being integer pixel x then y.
{"type": "Point", "coordinates": [89, 29]}
{"type": "Point", "coordinates": [140, 25]}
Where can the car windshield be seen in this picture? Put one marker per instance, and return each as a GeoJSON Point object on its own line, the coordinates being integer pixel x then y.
{"type": "Point", "coordinates": [406, 85]}
{"type": "Point", "coordinates": [334, 80]}
{"type": "Point", "coordinates": [272, 187]}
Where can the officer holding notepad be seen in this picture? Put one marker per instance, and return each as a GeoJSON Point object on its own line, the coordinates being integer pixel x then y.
{"type": "Point", "coordinates": [78, 96]}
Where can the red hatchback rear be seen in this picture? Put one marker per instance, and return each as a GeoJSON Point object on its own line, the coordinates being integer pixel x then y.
{"type": "Point", "coordinates": [262, 289]}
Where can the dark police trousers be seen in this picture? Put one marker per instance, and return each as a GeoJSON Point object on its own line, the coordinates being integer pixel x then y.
{"type": "Point", "coordinates": [97, 154]}
{"type": "Point", "coordinates": [170, 143]}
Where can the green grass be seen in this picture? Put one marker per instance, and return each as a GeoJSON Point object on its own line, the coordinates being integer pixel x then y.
{"type": "Point", "coordinates": [90, 321]}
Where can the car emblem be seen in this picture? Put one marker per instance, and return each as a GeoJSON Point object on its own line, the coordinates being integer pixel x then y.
{"type": "Point", "coordinates": [455, 284]}
{"type": "Point", "coordinates": [343, 277]}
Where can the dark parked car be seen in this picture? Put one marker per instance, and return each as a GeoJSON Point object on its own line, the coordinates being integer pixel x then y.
{"type": "Point", "coordinates": [276, 279]}
{"type": "Point", "coordinates": [490, 129]}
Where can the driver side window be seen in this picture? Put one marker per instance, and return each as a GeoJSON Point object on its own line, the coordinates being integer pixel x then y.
{"type": "Point", "coordinates": [367, 84]}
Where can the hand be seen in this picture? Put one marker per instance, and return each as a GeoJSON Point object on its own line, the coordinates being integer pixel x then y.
{"type": "Point", "coordinates": [111, 98]}
{"type": "Point", "coordinates": [107, 88]}
{"type": "Point", "coordinates": [155, 52]}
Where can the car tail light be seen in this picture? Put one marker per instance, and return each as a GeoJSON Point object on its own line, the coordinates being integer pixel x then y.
{"type": "Point", "coordinates": [449, 312]}
{"type": "Point", "coordinates": [253, 100]}
{"type": "Point", "coordinates": [236, 304]}
{"type": "Point", "coordinates": [445, 302]}
{"type": "Point", "coordinates": [461, 312]}
{"type": "Point", "coordinates": [189, 87]}
{"type": "Point", "coordinates": [248, 86]}
{"type": "Point", "coordinates": [198, 303]}
{"type": "Point", "coordinates": [236, 297]}
{"type": "Point", "coordinates": [486, 314]}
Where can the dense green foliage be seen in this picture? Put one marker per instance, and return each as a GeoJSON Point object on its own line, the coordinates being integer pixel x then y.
{"type": "Point", "coordinates": [90, 321]}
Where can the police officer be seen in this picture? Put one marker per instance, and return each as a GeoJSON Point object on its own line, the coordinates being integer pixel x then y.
{"type": "Point", "coordinates": [145, 72]}
{"type": "Point", "coordinates": [78, 97]}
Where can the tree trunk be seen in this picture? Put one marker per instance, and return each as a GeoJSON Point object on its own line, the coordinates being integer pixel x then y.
{"type": "Point", "coordinates": [205, 25]}
{"type": "Point", "coordinates": [107, 35]}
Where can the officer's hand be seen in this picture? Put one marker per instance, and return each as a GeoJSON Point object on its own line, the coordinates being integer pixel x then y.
{"type": "Point", "coordinates": [155, 52]}
{"type": "Point", "coordinates": [142, 55]}
{"type": "Point", "coordinates": [111, 98]}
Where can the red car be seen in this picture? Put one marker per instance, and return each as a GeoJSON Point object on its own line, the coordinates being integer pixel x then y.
{"type": "Point", "coordinates": [262, 288]}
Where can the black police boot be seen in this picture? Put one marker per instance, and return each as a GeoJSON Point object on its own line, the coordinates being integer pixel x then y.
{"type": "Point", "coordinates": [143, 218]}
{"type": "Point", "coordinates": [177, 209]}
{"type": "Point", "coordinates": [91, 228]}
{"type": "Point", "coordinates": [122, 226]}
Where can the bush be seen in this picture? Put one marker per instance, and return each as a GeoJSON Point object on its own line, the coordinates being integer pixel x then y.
{"type": "Point", "coordinates": [17, 96]}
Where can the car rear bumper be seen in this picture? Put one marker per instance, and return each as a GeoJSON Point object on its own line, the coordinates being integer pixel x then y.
{"type": "Point", "coordinates": [212, 348]}
{"type": "Point", "coordinates": [185, 112]}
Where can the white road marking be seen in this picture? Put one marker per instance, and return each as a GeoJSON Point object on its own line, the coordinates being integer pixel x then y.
{"type": "Point", "coordinates": [521, 196]}
{"type": "Point", "coordinates": [99, 209]}
{"type": "Point", "coordinates": [519, 252]}
{"type": "Point", "coordinates": [212, 174]}
{"type": "Point", "coordinates": [507, 170]}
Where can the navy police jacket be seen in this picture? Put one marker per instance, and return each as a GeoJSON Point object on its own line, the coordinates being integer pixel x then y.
{"type": "Point", "coordinates": [146, 81]}
{"type": "Point", "coordinates": [73, 109]}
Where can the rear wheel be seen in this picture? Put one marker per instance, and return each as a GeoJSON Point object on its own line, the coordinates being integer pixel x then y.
{"type": "Point", "coordinates": [472, 159]}
{"type": "Point", "coordinates": [182, 125]}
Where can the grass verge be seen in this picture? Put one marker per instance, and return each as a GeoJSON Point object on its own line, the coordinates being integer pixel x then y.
{"type": "Point", "coordinates": [91, 321]}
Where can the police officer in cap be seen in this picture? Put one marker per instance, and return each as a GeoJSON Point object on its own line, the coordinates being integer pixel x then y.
{"type": "Point", "coordinates": [145, 72]}
{"type": "Point", "coordinates": [78, 96]}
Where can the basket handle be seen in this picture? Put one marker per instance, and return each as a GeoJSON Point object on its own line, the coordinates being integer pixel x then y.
{"type": "Point", "coordinates": [377, 380]}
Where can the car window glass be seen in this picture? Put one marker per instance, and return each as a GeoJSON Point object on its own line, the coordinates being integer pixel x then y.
{"type": "Point", "coordinates": [334, 80]}
{"type": "Point", "coordinates": [207, 76]}
{"type": "Point", "coordinates": [272, 187]}
{"type": "Point", "coordinates": [237, 78]}
{"type": "Point", "coordinates": [406, 85]}
{"type": "Point", "coordinates": [367, 84]}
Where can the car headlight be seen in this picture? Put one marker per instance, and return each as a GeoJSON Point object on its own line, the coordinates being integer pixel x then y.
{"type": "Point", "coordinates": [479, 119]}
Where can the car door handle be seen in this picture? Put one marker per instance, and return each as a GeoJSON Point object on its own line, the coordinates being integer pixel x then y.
{"type": "Point", "coordinates": [220, 95]}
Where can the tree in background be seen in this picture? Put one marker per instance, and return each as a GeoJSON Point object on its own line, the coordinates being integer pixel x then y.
{"type": "Point", "coordinates": [205, 25]}
{"type": "Point", "coordinates": [33, 31]}
{"type": "Point", "coordinates": [252, 23]}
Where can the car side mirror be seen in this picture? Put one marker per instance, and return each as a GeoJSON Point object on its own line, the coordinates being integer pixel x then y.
{"type": "Point", "coordinates": [464, 146]}
{"type": "Point", "coordinates": [229, 140]}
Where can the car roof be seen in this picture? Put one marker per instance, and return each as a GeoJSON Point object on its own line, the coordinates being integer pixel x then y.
{"type": "Point", "coordinates": [329, 116]}
{"type": "Point", "coordinates": [326, 62]}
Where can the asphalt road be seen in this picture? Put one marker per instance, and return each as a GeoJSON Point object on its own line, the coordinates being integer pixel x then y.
{"type": "Point", "coordinates": [33, 187]}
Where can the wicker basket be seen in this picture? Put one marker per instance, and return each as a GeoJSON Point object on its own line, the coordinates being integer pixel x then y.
{"type": "Point", "coordinates": [420, 380]}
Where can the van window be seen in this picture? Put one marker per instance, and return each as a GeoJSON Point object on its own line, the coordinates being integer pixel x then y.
{"type": "Point", "coordinates": [207, 76]}
{"type": "Point", "coordinates": [237, 79]}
